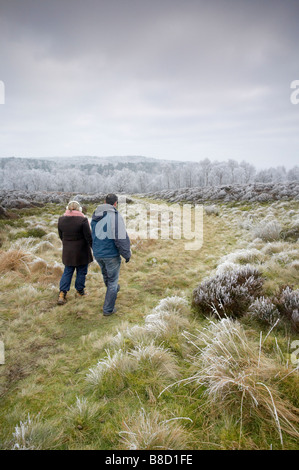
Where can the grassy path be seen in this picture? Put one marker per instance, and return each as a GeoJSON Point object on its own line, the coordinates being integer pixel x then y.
{"type": "Point", "coordinates": [50, 348]}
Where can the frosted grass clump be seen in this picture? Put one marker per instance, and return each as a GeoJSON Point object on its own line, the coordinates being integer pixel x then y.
{"type": "Point", "coordinates": [243, 256]}
{"type": "Point", "coordinates": [263, 309]}
{"type": "Point", "coordinates": [168, 317]}
{"type": "Point", "coordinates": [32, 434]}
{"type": "Point", "coordinates": [161, 359]}
{"type": "Point", "coordinates": [119, 363]}
{"type": "Point", "coordinates": [28, 289]}
{"type": "Point", "coordinates": [165, 324]}
{"type": "Point", "coordinates": [52, 237]}
{"type": "Point", "coordinates": [237, 374]}
{"type": "Point", "coordinates": [295, 223]}
{"type": "Point", "coordinates": [27, 244]}
{"type": "Point", "coordinates": [149, 431]}
{"type": "Point", "coordinates": [284, 258]}
{"type": "Point", "coordinates": [267, 231]}
{"type": "Point", "coordinates": [83, 411]}
{"type": "Point", "coordinates": [38, 264]}
{"type": "Point", "coordinates": [226, 266]}
{"type": "Point", "coordinates": [43, 246]}
{"type": "Point", "coordinates": [294, 265]}
{"type": "Point", "coordinates": [135, 334]}
{"type": "Point", "coordinates": [173, 304]}
{"type": "Point", "coordinates": [275, 247]}
{"type": "Point", "coordinates": [212, 210]}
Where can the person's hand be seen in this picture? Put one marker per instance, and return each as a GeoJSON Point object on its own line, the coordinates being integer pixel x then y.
{"type": "Point", "coordinates": [127, 260]}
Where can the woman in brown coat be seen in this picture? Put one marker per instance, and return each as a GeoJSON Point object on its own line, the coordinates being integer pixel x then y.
{"type": "Point", "coordinates": [74, 231]}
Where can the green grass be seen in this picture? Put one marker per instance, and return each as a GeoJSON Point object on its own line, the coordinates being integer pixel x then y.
{"type": "Point", "coordinates": [49, 349]}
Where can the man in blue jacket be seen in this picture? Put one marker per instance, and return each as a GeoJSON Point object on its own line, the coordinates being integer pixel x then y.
{"type": "Point", "coordinates": [110, 242]}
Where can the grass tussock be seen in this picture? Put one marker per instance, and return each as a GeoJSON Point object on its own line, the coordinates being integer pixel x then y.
{"type": "Point", "coordinates": [236, 373]}
{"type": "Point", "coordinates": [33, 434]}
{"type": "Point", "coordinates": [149, 431]}
{"type": "Point", "coordinates": [267, 231]}
{"type": "Point", "coordinates": [121, 363]}
{"type": "Point", "coordinates": [14, 260]}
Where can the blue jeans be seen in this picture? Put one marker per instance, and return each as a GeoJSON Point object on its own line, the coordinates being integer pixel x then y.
{"type": "Point", "coordinates": [110, 268]}
{"type": "Point", "coordinates": [66, 279]}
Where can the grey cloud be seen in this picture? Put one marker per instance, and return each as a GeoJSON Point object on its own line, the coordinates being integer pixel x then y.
{"type": "Point", "coordinates": [161, 78]}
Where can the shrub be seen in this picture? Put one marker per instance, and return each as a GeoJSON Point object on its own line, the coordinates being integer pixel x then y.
{"type": "Point", "coordinates": [288, 305]}
{"type": "Point", "coordinates": [32, 232]}
{"type": "Point", "coordinates": [229, 292]}
{"type": "Point", "coordinates": [263, 309]}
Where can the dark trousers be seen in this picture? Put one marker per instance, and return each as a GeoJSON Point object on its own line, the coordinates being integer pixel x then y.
{"type": "Point", "coordinates": [110, 268]}
{"type": "Point", "coordinates": [66, 279]}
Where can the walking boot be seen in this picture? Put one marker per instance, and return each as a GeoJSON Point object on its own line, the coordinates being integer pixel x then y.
{"type": "Point", "coordinates": [61, 298]}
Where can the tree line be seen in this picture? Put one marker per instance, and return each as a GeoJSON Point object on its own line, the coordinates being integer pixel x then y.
{"type": "Point", "coordinates": [132, 177]}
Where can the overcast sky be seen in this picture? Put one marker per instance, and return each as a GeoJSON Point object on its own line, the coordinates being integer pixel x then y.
{"type": "Point", "coordinates": [171, 79]}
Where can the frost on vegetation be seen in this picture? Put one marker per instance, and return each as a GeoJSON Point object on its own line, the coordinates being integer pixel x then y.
{"type": "Point", "coordinates": [243, 256]}
{"type": "Point", "coordinates": [288, 304]}
{"type": "Point", "coordinates": [159, 357]}
{"type": "Point", "coordinates": [263, 309]}
{"type": "Point", "coordinates": [83, 410]}
{"type": "Point", "coordinates": [135, 334]}
{"type": "Point", "coordinates": [28, 289]}
{"type": "Point", "coordinates": [26, 244]}
{"type": "Point", "coordinates": [295, 264]}
{"type": "Point", "coordinates": [236, 373]}
{"type": "Point", "coordinates": [230, 292]}
{"type": "Point", "coordinates": [285, 258]}
{"type": "Point", "coordinates": [267, 231]}
{"type": "Point", "coordinates": [212, 210]}
{"type": "Point", "coordinates": [119, 363]}
{"type": "Point", "coordinates": [43, 246]}
{"type": "Point", "coordinates": [38, 264]}
{"type": "Point", "coordinates": [122, 363]}
{"type": "Point", "coordinates": [275, 247]}
{"type": "Point", "coordinates": [172, 304]}
{"type": "Point", "coordinates": [149, 431]}
{"type": "Point", "coordinates": [32, 434]}
{"type": "Point", "coordinates": [166, 319]}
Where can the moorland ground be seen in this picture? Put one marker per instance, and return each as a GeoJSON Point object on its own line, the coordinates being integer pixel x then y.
{"type": "Point", "coordinates": [73, 379]}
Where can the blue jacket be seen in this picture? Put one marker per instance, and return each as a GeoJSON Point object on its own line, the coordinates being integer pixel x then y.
{"type": "Point", "coordinates": [109, 235]}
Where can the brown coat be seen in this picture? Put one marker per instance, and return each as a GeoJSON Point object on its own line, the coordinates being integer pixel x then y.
{"type": "Point", "coordinates": [76, 240]}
